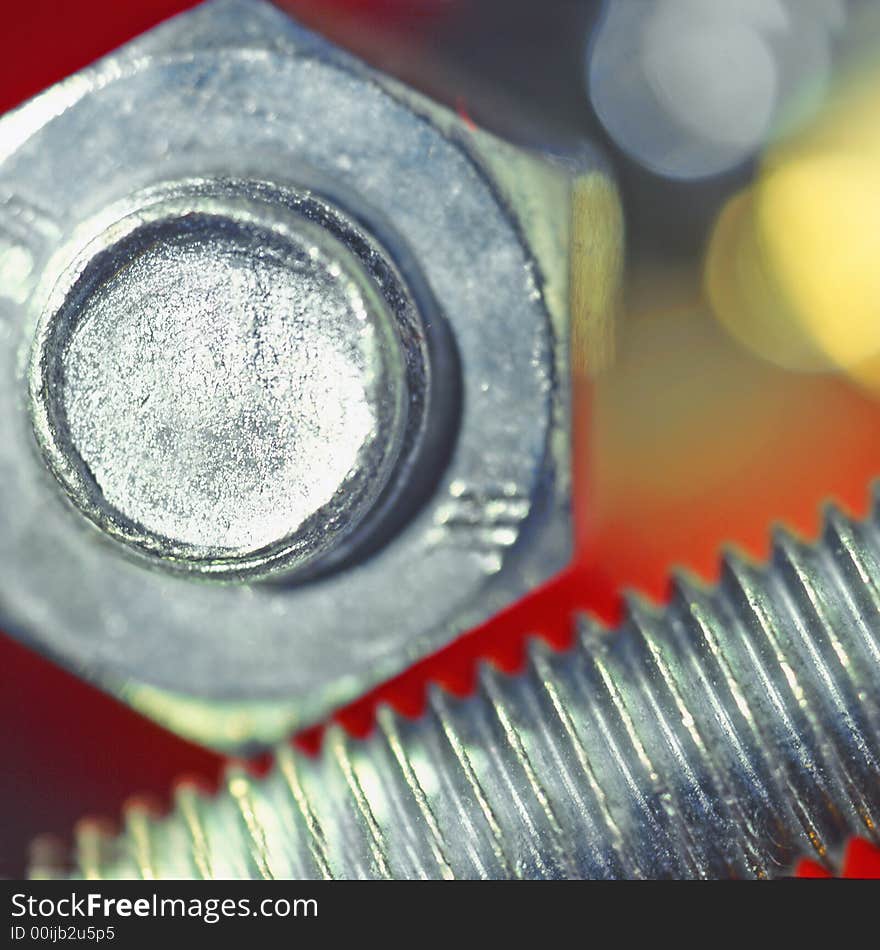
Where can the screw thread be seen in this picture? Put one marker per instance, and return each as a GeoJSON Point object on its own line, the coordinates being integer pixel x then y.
{"type": "Point", "coordinates": [722, 736]}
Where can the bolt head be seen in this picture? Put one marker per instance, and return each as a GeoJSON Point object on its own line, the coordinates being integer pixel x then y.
{"type": "Point", "coordinates": [218, 383]}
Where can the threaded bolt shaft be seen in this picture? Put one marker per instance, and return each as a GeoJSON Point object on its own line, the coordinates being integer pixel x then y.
{"type": "Point", "coordinates": [725, 735]}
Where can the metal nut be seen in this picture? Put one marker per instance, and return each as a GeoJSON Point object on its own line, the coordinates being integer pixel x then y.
{"type": "Point", "coordinates": [286, 355]}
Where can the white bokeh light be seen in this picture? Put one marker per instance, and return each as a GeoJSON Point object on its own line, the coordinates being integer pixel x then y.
{"type": "Point", "coordinates": [692, 88]}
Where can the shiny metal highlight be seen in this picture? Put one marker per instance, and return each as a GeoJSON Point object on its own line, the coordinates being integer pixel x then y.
{"type": "Point", "coordinates": [724, 736]}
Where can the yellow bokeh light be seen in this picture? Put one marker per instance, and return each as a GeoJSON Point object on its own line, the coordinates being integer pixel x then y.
{"type": "Point", "coordinates": [817, 223]}
{"type": "Point", "coordinates": [793, 266]}
{"type": "Point", "coordinates": [746, 299]}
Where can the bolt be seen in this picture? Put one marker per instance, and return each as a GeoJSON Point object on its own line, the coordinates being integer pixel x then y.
{"type": "Point", "coordinates": [298, 371]}
{"type": "Point", "coordinates": [227, 379]}
{"type": "Point", "coordinates": [723, 736]}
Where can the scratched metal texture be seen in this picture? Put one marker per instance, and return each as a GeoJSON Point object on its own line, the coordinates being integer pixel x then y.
{"type": "Point", "coordinates": [236, 88]}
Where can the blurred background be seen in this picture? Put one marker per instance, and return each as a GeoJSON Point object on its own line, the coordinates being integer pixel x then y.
{"type": "Point", "coordinates": [745, 136]}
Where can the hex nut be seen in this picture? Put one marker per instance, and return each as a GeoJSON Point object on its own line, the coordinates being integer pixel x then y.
{"type": "Point", "coordinates": [286, 393]}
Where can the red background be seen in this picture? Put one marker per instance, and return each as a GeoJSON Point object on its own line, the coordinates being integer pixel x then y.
{"type": "Point", "coordinates": [69, 750]}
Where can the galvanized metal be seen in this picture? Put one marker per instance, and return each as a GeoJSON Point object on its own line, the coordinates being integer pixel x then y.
{"type": "Point", "coordinates": [724, 736]}
{"type": "Point", "coordinates": [285, 352]}
{"type": "Point", "coordinates": [223, 385]}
